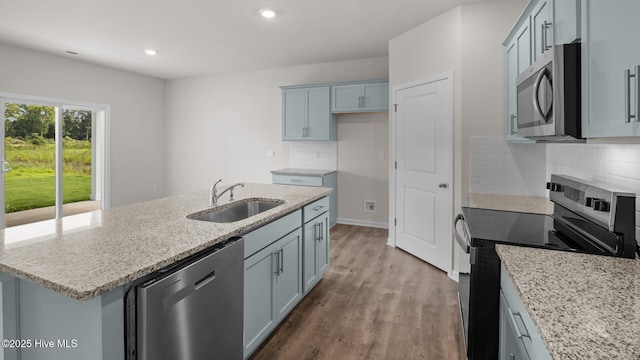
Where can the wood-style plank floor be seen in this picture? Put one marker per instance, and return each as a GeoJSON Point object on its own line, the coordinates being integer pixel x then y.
{"type": "Point", "coordinates": [374, 302]}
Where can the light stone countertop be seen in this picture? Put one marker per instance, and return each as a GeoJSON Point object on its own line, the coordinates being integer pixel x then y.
{"type": "Point", "coordinates": [86, 255]}
{"type": "Point", "coordinates": [585, 307]}
{"type": "Point", "coordinates": [521, 203]}
{"type": "Point", "coordinates": [302, 172]}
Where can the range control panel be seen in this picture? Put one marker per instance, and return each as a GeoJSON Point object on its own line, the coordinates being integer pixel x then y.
{"type": "Point", "coordinates": [591, 201]}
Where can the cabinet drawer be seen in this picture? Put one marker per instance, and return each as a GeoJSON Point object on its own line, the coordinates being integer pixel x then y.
{"type": "Point", "coordinates": [314, 209]}
{"type": "Point", "coordinates": [262, 237]}
{"type": "Point", "coordinates": [533, 343]}
{"type": "Point", "coordinates": [297, 180]}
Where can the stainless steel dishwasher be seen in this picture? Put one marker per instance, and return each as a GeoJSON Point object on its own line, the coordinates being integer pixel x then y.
{"type": "Point", "coordinates": [192, 310]}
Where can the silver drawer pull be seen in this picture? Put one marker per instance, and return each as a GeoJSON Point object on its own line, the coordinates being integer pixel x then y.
{"type": "Point", "coordinates": [513, 315]}
{"type": "Point", "coordinates": [318, 208]}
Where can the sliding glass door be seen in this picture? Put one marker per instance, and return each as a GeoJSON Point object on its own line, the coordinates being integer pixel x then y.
{"type": "Point", "coordinates": [53, 160]}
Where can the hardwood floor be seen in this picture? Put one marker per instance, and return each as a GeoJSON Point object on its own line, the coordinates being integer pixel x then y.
{"type": "Point", "coordinates": [374, 302]}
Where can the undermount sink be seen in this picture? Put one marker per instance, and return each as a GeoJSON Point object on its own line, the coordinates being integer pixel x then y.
{"type": "Point", "coordinates": [236, 211]}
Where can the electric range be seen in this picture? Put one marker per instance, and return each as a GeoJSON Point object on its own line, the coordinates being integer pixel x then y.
{"type": "Point", "coordinates": [586, 219]}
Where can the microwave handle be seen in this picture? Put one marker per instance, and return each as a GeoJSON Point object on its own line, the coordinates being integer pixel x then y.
{"type": "Point", "coordinates": [514, 124]}
{"type": "Point", "coordinates": [536, 88]}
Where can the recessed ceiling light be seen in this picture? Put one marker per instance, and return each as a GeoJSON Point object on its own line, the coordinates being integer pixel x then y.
{"type": "Point", "coordinates": [150, 52]}
{"type": "Point", "coordinates": [267, 13]}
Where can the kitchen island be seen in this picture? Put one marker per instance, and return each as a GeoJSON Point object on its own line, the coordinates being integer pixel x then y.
{"type": "Point", "coordinates": [63, 281]}
{"type": "Point", "coordinates": [589, 308]}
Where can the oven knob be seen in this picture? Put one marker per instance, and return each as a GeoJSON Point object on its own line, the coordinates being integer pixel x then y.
{"type": "Point", "coordinates": [589, 202]}
{"type": "Point", "coordinates": [556, 187]}
{"type": "Point", "coordinates": [601, 205]}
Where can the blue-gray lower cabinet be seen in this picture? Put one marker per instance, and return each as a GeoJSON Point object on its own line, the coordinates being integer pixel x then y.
{"type": "Point", "coordinates": [329, 180]}
{"type": "Point", "coordinates": [272, 287]}
{"type": "Point", "coordinates": [519, 338]}
{"type": "Point", "coordinates": [316, 250]}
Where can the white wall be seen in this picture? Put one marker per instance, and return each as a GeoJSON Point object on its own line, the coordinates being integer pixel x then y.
{"type": "Point", "coordinates": [468, 41]}
{"type": "Point", "coordinates": [361, 140]}
{"type": "Point", "coordinates": [137, 112]}
{"type": "Point", "coordinates": [221, 126]}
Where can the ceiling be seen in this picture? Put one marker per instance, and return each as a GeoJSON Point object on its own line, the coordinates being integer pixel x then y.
{"type": "Point", "coordinates": [197, 37]}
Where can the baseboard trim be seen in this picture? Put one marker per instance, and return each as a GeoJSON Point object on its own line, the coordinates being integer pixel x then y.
{"type": "Point", "coordinates": [356, 222]}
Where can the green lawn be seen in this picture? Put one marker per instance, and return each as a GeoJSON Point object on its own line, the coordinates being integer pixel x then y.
{"type": "Point", "coordinates": [32, 188]}
{"type": "Point", "coordinates": [31, 182]}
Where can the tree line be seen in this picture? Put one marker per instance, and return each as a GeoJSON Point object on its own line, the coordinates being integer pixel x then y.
{"type": "Point", "coordinates": [26, 121]}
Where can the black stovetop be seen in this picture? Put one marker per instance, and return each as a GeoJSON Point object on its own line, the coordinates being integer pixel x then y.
{"type": "Point", "coordinates": [489, 227]}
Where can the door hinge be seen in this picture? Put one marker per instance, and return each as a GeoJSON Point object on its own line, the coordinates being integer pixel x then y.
{"type": "Point", "coordinates": [395, 107]}
{"type": "Point", "coordinates": [395, 221]}
{"type": "Point", "coordinates": [395, 165]}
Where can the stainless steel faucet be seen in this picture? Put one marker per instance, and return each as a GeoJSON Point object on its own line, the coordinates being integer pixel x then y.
{"type": "Point", "coordinates": [215, 196]}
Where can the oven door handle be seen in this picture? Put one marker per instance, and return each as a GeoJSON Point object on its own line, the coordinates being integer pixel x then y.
{"type": "Point", "coordinates": [464, 243]}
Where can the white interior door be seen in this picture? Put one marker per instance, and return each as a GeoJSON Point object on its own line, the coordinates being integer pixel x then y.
{"type": "Point", "coordinates": [424, 173]}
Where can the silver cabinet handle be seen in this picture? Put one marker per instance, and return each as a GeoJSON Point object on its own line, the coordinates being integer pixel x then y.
{"type": "Point", "coordinates": [277, 262]}
{"type": "Point", "coordinates": [321, 226]}
{"type": "Point", "coordinates": [513, 315]}
{"type": "Point", "coordinates": [545, 36]}
{"type": "Point", "coordinates": [318, 208]}
{"type": "Point", "coordinates": [514, 124]}
{"type": "Point", "coordinates": [627, 95]}
{"type": "Point", "coordinates": [316, 232]}
{"type": "Point", "coordinates": [281, 258]}
{"type": "Point", "coordinates": [443, 185]}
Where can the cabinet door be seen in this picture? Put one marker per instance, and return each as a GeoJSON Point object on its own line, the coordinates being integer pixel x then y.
{"type": "Point", "coordinates": [310, 263]}
{"type": "Point", "coordinates": [542, 28]}
{"type": "Point", "coordinates": [319, 114]}
{"type": "Point", "coordinates": [294, 114]}
{"type": "Point", "coordinates": [523, 42]}
{"type": "Point", "coordinates": [511, 347]}
{"type": "Point", "coordinates": [289, 273]}
{"type": "Point", "coordinates": [259, 298]}
{"type": "Point", "coordinates": [609, 98]}
{"type": "Point", "coordinates": [375, 97]}
{"type": "Point", "coordinates": [346, 98]}
{"type": "Point", "coordinates": [322, 245]}
{"type": "Point", "coordinates": [566, 21]}
{"type": "Point", "coordinates": [517, 59]}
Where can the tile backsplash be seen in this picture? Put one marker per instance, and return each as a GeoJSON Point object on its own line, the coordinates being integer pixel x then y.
{"type": "Point", "coordinates": [498, 167]}
{"type": "Point", "coordinates": [313, 155]}
{"type": "Point", "coordinates": [504, 168]}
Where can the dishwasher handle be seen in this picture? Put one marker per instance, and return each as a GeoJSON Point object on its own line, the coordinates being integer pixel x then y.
{"type": "Point", "coordinates": [464, 243]}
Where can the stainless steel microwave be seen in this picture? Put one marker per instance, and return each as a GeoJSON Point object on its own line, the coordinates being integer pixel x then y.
{"type": "Point", "coordinates": [549, 96]}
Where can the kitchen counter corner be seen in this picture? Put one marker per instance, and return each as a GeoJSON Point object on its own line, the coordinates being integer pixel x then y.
{"type": "Point", "coordinates": [584, 306]}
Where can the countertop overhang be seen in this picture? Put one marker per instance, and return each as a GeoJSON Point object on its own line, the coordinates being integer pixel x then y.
{"type": "Point", "coordinates": [86, 255]}
{"type": "Point", "coordinates": [584, 306]}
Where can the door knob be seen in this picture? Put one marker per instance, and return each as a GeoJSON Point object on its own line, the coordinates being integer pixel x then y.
{"type": "Point", "coordinates": [443, 185]}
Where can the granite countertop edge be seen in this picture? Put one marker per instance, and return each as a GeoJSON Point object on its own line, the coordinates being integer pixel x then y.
{"type": "Point", "coordinates": [302, 172]}
{"type": "Point", "coordinates": [30, 263]}
{"type": "Point", "coordinates": [574, 312]}
{"type": "Point", "coordinates": [519, 203]}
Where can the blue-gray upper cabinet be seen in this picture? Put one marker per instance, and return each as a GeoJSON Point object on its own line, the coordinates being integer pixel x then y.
{"type": "Point", "coordinates": [610, 68]}
{"type": "Point", "coordinates": [306, 113]}
{"type": "Point", "coordinates": [542, 28]}
{"type": "Point", "coordinates": [517, 59]}
{"type": "Point", "coordinates": [360, 97]}
{"type": "Point", "coordinates": [543, 23]}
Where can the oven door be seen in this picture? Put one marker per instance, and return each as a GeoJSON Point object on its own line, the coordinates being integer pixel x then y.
{"type": "Point", "coordinates": [461, 234]}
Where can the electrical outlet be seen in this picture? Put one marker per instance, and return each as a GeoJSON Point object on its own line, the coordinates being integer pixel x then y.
{"type": "Point", "coordinates": [369, 206]}
{"type": "Point", "coordinates": [271, 153]}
